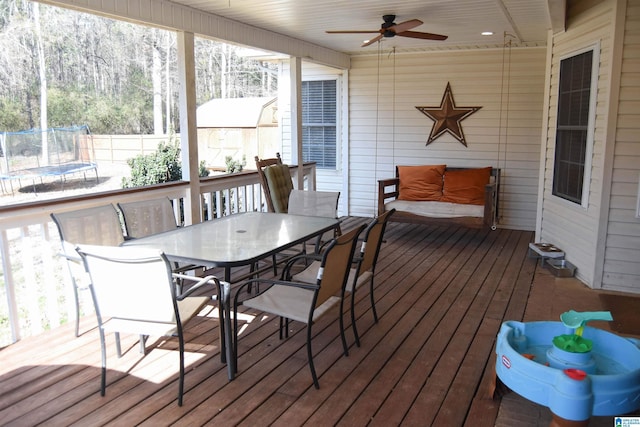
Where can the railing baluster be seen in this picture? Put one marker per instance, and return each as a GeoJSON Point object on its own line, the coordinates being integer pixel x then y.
{"type": "Point", "coordinates": [10, 291]}
{"type": "Point", "coordinates": [29, 290]}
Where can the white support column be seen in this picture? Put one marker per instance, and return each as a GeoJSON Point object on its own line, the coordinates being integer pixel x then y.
{"type": "Point", "coordinates": [188, 126]}
{"type": "Point", "coordinates": [295, 75]}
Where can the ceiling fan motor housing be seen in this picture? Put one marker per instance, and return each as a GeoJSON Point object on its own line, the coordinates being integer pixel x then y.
{"type": "Point", "coordinates": [388, 22]}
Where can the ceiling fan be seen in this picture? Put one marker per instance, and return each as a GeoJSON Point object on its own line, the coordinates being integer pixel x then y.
{"type": "Point", "coordinates": [391, 29]}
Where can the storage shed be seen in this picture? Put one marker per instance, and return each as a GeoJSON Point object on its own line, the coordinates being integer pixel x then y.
{"type": "Point", "coordinates": [237, 127]}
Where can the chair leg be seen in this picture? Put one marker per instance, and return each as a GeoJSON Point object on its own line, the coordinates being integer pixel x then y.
{"type": "Point", "coordinates": [284, 326]}
{"type": "Point", "coordinates": [118, 348]}
{"type": "Point", "coordinates": [234, 342]}
{"type": "Point", "coordinates": [103, 354]}
{"type": "Point", "coordinates": [316, 384]}
{"type": "Point", "coordinates": [353, 318]}
{"type": "Point", "coordinates": [181, 379]}
{"type": "Point", "coordinates": [221, 327]}
{"type": "Point", "coordinates": [76, 298]}
{"type": "Point", "coordinates": [143, 340]}
{"type": "Point", "coordinates": [341, 322]}
{"type": "Point", "coordinates": [373, 301]}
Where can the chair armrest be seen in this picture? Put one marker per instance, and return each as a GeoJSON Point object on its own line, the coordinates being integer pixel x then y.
{"type": "Point", "coordinates": [187, 267]}
{"type": "Point", "coordinates": [72, 258]}
{"type": "Point", "coordinates": [302, 257]}
{"type": "Point", "coordinates": [249, 285]}
{"type": "Point", "coordinates": [221, 287]}
{"type": "Point", "coordinates": [384, 193]}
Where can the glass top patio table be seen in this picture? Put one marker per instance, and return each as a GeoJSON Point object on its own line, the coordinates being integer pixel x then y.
{"type": "Point", "coordinates": [236, 240]}
{"type": "Point", "coordinates": [233, 241]}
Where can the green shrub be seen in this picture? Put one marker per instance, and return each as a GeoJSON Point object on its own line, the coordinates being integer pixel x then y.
{"type": "Point", "coordinates": [235, 165]}
{"type": "Point", "coordinates": [162, 166]}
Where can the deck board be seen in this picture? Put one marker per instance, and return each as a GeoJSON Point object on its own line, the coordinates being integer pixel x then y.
{"type": "Point", "coordinates": [441, 296]}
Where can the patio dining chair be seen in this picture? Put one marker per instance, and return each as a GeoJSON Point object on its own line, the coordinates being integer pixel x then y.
{"type": "Point", "coordinates": [275, 179]}
{"type": "Point", "coordinates": [99, 225]}
{"type": "Point", "coordinates": [316, 203]}
{"type": "Point", "coordinates": [304, 302]}
{"type": "Point", "coordinates": [362, 270]}
{"type": "Point", "coordinates": [133, 292]}
{"type": "Point", "coordinates": [146, 217]}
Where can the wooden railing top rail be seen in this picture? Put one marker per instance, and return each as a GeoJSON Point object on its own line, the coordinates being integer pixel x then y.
{"type": "Point", "coordinates": [22, 214]}
{"type": "Point", "coordinates": [27, 213]}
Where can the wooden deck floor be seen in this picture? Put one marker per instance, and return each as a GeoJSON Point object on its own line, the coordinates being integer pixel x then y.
{"type": "Point", "coordinates": [441, 294]}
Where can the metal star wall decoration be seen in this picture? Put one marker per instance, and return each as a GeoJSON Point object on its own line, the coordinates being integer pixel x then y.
{"type": "Point", "coordinates": [447, 117]}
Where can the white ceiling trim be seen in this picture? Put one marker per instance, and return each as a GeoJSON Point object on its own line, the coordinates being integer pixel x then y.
{"type": "Point", "coordinates": [176, 17]}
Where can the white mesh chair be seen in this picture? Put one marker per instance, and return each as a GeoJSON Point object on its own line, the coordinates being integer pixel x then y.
{"type": "Point", "coordinates": [310, 203]}
{"type": "Point", "coordinates": [98, 225]}
{"type": "Point", "coordinates": [304, 302]}
{"type": "Point", "coordinates": [316, 203]}
{"type": "Point", "coordinates": [363, 270]}
{"type": "Point", "coordinates": [133, 292]}
{"type": "Point", "coordinates": [153, 216]}
{"type": "Point", "coordinates": [146, 217]}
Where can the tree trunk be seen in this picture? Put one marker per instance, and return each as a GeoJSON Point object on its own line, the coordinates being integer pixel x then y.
{"type": "Point", "coordinates": [224, 90]}
{"type": "Point", "coordinates": [157, 88]}
{"type": "Point", "coordinates": [167, 76]}
{"type": "Point", "coordinates": [43, 84]}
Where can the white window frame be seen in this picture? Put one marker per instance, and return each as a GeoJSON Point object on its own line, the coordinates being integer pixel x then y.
{"type": "Point", "coordinates": [338, 81]}
{"type": "Point", "coordinates": [593, 98]}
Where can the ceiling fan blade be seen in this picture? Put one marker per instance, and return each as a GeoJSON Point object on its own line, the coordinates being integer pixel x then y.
{"type": "Point", "coordinates": [406, 25]}
{"type": "Point", "coordinates": [424, 36]}
{"type": "Point", "coordinates": [373, 40]}
{"type": "Point", "coordinates": [351, 31]}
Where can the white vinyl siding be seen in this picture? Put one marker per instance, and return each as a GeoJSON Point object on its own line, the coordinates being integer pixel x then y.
{"type": "Point", "coordinates": [387, 130]}
{"type": "Point", "coordinates": [573, 227]}
{"type": "Point", "coordinates": [621, 266]}
{"type": "Point", "coordinates": [326, 179]}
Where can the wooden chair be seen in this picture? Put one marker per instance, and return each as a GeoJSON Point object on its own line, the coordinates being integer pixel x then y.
{"type": "Point", "coordinates": [133, 292]}
{"type": "Point", "coordinates": [275, 179]}
{"type": "Point", "coordinates": [304, 302]}
{"type": "Point", "coordinates": [277, 186]}
{"type": "Point", "coordinates": [276, 183]}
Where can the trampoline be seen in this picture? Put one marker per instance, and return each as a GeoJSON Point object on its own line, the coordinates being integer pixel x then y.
{"type": "Point", "coordinates": [54, 152]}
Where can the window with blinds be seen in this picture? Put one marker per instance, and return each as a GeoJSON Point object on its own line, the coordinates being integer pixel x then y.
{"type": "Point", "coordinates": [319, 127]}
{"type": "Point", "coordinates": [572, 131]}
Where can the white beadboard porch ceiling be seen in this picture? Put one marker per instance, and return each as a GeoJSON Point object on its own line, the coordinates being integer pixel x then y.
{"type": "Point", "coordinates": [525, 21]}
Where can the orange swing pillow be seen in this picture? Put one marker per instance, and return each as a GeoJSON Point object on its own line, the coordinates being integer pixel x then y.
{"type": "Point", "coordinates": [466, 186]}
{"type": "Point", "coordinates": [420, 182]}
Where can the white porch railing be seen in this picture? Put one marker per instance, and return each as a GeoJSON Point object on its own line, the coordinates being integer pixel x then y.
{"type": "Point", "coordinates": [35, 294]}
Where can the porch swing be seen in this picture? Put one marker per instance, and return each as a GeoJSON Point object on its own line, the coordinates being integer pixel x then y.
{"type": "Point", "coordinates": [479, 212]}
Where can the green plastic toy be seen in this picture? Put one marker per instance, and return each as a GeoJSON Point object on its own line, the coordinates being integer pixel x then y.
{"type": "Point", "coordinates": [573, 343]}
